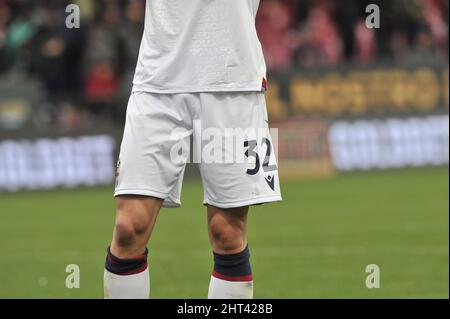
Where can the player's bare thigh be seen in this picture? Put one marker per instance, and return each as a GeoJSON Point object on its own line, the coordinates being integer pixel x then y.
{"type": "Point", "coordinates": [135, 219]}
{"type": "Point", "coordinates": [227, 229]}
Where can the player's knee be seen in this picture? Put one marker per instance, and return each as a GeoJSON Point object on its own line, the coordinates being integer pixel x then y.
{"type": "Point", "coordinates": [226, 238]}
{"type": "Point", "coordinates": [124, 234]}
{"type": "Point", "coordinates": [128, 228]}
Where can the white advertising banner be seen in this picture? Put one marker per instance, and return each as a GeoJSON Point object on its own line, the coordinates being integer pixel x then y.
{"type": "Point", "coordinates": [62, 162]}
{"type": "Point", "coordinates": [390, 143]}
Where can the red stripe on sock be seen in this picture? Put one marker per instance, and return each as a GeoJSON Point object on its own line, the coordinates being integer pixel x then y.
{"type": "Point", "coordinates": [232, 278]}
{"type": "Point", "coordinates": [135, 271]}
{"type": "Point", "coordinates": [112, 258]}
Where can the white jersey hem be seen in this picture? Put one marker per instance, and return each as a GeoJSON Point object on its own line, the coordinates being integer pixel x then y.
{"type": "Point", "coordinates": [248, 88]}
{"type": "Point", "coordinates": [243, 203]}
{"type": "Point", "coordinates": [169, 201]}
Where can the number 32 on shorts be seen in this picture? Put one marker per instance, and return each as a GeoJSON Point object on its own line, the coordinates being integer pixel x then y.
{"type": "Point", "coordinates": [251, 151]}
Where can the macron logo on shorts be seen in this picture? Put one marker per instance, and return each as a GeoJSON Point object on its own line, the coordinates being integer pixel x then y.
{"type": "Point", "coordinates": [270, 181]}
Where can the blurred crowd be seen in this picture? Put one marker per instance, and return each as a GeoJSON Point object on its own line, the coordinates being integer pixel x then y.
{"type": "Point", "coordinates": [90, 67]}
{"type": "Point", "coordinates": [93, 65]}
{"type": "Point", "coordinates": [313, 33]}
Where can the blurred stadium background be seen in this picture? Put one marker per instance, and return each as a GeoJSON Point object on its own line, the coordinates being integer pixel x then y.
{"type": "Point", "coordinates": [363, 150]}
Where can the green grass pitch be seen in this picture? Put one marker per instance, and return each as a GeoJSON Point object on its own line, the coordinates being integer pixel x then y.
{"type": "Point", "coordinates": [315, 244]}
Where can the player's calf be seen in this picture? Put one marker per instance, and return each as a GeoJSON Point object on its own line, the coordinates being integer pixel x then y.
{"type": "Point", "coordinates": [227, 229]}
{"type": "Point", "coordinates": [135, 219]}
{"type": "Point", "coordinates": [126, 271]}
{"type": "Point", "coordinates": [232, 275]}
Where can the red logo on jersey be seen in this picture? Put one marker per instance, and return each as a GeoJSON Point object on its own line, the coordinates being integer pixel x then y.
{"type": "Point", "coordinates": [264, 85]}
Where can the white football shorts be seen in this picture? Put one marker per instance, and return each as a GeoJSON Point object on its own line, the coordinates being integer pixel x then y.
{"type": "Point", "coordinates": [226, 133]}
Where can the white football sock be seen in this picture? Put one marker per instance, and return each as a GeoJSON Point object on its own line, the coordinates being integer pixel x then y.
{"type": "Point", "coordinates": [232, 276]}
{"type": "Point", "coordinates": [136, 286]}
{"type": "Point", "coordinates": [223, 289]}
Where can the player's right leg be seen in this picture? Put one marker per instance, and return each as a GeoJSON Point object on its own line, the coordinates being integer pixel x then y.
{"type": "Point", "coordinates": [126, 270]}
{"type": "Point", "coordinates": [149, 175]}
{"type": "Point", "coordinates": [135, 219]}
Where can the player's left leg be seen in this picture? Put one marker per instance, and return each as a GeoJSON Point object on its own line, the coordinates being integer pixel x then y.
{"type": "Point", "coordinates": [231, 186]}
{"type": "Point", "coordinates": [232, 275]}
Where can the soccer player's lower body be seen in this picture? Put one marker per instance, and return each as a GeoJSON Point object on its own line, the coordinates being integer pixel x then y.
{"type": "Point", "coordinates": [150, 172]}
